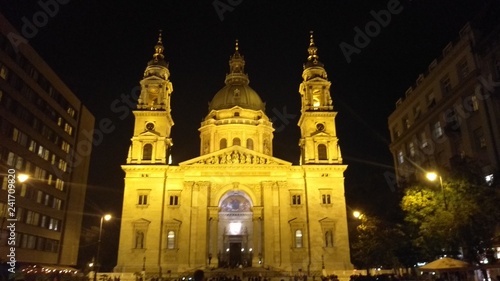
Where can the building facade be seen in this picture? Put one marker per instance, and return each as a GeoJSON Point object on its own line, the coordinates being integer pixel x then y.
{"type": "Point", "coordinates": [44, 133]}
{"type": "Point", "coordinates": [235, 205]}
{"type": "Point", "coordinates": [453, 110]}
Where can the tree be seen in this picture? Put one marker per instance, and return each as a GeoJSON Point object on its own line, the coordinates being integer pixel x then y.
{"type": "Point", "coordinates": [376, 243]}
{"type": "Point", "coordinates": [460, 217]}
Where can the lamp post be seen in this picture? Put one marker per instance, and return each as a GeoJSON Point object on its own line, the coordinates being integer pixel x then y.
{"type": "Point", "coordinates": [97, 264]}
{"type": "Point", "coordinates": [432, 176]}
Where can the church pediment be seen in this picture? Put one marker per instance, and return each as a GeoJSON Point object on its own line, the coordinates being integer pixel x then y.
{"type": "Point", "coordinates": [320, 134]}
{"type": "Point", "coordinates": [235, 155]}
{"type": "Point", "coordinates": [149, 134]}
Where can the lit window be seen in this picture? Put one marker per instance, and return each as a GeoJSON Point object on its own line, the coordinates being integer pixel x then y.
{"type": "Point", "coordinates": [437, 130]}
{"type": "Point", "coordinates": [4, 71]}
{"type": "Point", "coordinates": [171, 240]}
{"type": "Point", "coordinates": [68, 129]}
{"type": "Point", "coordinates": [65, 146]}
{"type": "Point", "coordinates": [298, 239]}
{"type": "Point", "coordinates": [411, 147]}
{"type": "Point", "coordinates": [401, 157]}
{"type": "Point", "coordinates": [489, 179]}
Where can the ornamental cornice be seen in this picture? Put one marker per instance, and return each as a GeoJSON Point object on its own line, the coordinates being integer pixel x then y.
{"type": "Point", "coordinates": [236, 156]}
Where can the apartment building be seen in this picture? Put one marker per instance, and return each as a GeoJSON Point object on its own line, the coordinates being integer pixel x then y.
{"type": "Point", "coordinates": [453, 109]}
{"type": "Point", "coordinates": [44, 133]}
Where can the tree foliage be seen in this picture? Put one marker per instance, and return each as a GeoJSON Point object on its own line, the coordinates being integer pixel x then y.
{"type": "Point", "coordinates": [458, 217]}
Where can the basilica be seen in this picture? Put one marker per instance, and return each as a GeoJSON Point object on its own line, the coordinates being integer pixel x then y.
{"type": "Point", "coordinates": [235, 205]}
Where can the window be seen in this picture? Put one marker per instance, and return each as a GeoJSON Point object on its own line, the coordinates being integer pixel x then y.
{"type": "Point", "coordinates": [401, 157]}
{"type": "Point", "coordinates": [472, 104]}
{"type": "Point", "coordinates": [326, 199]}
{"type": "Point", "coordinates": [411, 148]}
{"type": "Point", "coordinates": [480, 138]}
{"type": "Point", "coordinates": [431, 99]}
{"type": "Point", "coordinates": [417, 111]}
{"type": "Point", "coordinates": [68, 129]}
{"type": "Point", "coordinates": [322, 155]}
{"type": "Point", "coordinates": [174, 200]}
{"type": "Point", "coordinates": [65, 146]}
{"type": "Point", "coordinates": [147, 151]}
{"type": "Point", "coordinates": [462, 68]}
{"type": "Point", "coordinates": [329, 238]}
{"type": "Point", "coordinates": [60, 184]}
{"type": "Point", "coordinates": [143, 199]}
{"type": "Point", "coordinates": [171, 239]}
{"type": "Point", "coordinates": [139, 239]}
{"type": "Point", "coordinates": [54, 224]}
{"type": "Point", "coordinates": [250, 144]}
{"type": "Point", "coordinates": [223, 143]}
{"type": "Point", "coordinates": [298, 238]}
{"type": "Point", "coordinates": [4, 71]}
{"type": "Point", "coordinates": [423, 139]}
{"type": "Point", "coordinates": [296, 199]}
{"type": "Point", "coordinates": [406, 122]}
{"type": "Point", "coordinates": [437, 131]}
{"type": "Point", "coordinates": [446, 85]}
{"type": "Point", "coordinates": [236, 141]}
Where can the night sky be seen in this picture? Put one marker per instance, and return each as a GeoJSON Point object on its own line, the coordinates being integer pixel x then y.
{"type": "Point", "coordinates": [101, 48]}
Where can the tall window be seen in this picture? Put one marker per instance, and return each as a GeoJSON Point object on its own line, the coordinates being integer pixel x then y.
{"type": "Point", "coordinates": [236, 141]}
{"type": "Point", "coordinates": [298, 238]}
{"type": "Point", "coordinates": [223, 143]}
{"type": "Point", "coordinates": [139, 239]}
{"type": "Point", "coordinates": [296, 199]}
{"type": "Point", "coordinates": [171, 240]}
{"type": "Point", "coordinates": [437, 130]}
{"type": "Point", "coordinates": [322, 152]}
{"type": "Point", "coordinates": [250, 144]}
{"type": "Point", "coordinates": [326, 199]}
{"type": "Point", "coordinates": [329, 238]}
{"type": "Point", "coordinates": [147, 151]}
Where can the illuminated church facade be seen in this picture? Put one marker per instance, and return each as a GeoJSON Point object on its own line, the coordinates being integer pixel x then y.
{"type": "Point", "coordinates": [234, 206]}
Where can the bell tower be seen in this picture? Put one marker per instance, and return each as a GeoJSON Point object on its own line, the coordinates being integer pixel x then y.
{"type": "Point", "coordinates": [151, 141]}
{"type": "Point", "coordinates": [318, 142]}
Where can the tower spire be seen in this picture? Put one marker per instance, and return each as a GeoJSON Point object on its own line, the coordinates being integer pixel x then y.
{"type": "Point", "coordinates": [312, 59]}
{"type": "Point", "coordinates": [236, 67]}
{"type": "Point", "coordinates": [158, 55]}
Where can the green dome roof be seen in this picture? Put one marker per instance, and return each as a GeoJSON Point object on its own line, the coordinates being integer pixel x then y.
{"type": "Point", "coordinates": [237, 95]}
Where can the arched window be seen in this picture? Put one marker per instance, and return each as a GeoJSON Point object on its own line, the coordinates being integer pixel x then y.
{"type": "Point", "coordinates": [250, 144]}
{"type": "Point", "coordinates": [236, 141]}
{"type": "Point", "coordinates": [139, 239]}
{"type": "Point", "coordinates": [223, 143]}
{"type": "Point", "coordinates": [171, 239]}
{"type": "Point", "coordinates": [147, 151]}
{"type": "Point", "coordinates": [322, 152]}
{"type": "Point", "coordinates": [298, 238]}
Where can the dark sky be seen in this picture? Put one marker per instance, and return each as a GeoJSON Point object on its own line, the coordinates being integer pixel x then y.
{"type": "Point", "coordinates": [100, 49]}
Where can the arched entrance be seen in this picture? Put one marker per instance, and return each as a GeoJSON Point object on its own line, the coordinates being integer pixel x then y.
{"type": "Point", "coordinates": [235, 241]}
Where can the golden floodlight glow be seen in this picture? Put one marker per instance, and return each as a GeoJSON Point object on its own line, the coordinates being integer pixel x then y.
{"type": "Point", "coordinates": [107, 217]}
{"type": "Point", "coordinates": [23, 177]}
{"type": "Point", "coordinates": [357, 214]}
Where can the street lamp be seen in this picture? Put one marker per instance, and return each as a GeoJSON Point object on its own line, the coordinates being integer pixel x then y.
{"type": "Point", "coordinates": [432, 176]}
{"type": "Point", "coordinates": [358, 215]}
{"type": "Point", "coordinates": [97, 264]}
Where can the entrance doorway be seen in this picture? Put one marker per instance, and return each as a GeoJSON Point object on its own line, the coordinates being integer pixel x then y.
{"type": "Point", "coordinates": [235, 254]}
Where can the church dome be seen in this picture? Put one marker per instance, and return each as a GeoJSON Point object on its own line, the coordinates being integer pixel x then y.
{"type": "Point", "coordinates": [237, 95]}
{"type": "Point", "coordinates": [237, 92]}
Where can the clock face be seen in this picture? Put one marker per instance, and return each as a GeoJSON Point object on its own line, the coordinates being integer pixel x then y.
{"type": "Point", "coordinates": [320, 126]}
{"type": "Point", "coordinates": [150, 126]}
